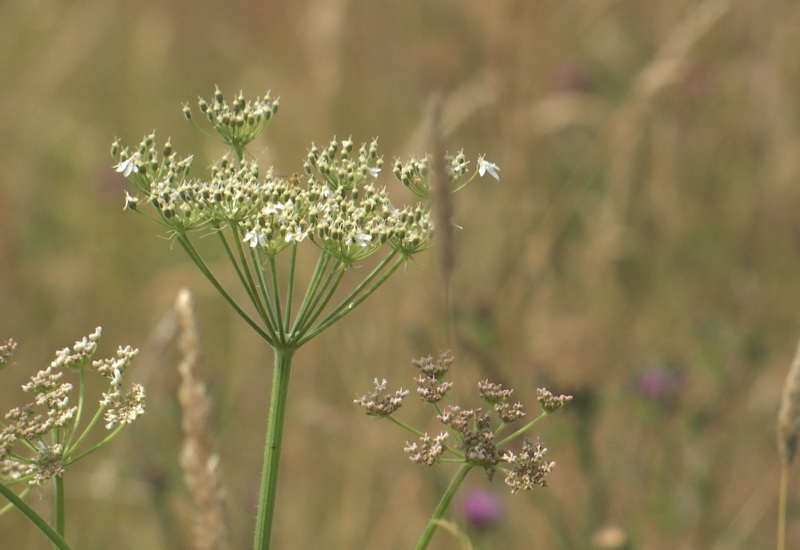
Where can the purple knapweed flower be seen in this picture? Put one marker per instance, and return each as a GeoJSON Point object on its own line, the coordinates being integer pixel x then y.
{"type": "Point", "coordinates": [482, 509]}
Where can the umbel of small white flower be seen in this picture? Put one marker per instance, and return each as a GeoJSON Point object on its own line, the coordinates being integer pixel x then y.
{"type": "Point", "coordinates": [49, 427]}
{"type": "Point", "coordinates": [340, 208]}
{"type": "Point", "coordinates": [416, 173]}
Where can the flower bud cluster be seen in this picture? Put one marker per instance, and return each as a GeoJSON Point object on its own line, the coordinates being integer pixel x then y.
{"type": "Point", "coordinates": [428, 450]}
{"type": "Point", "coordinates": [416, 174]}
{"type": "Point", "coordinates": [121, 406]}
{"type": "Point", "coordinates": [528, 468]}
{"type": "Point", "coordinates": [338, 167]}
{"type": "Point", "coordinates": [431, 387]}
{"type": "Point", "coordinates": [549, 402]}
{"type": "Point", "coordinates": [380, 402]}
{"type": "Point", "coordinates": [7, 349]}
{"type": "Point", "coordinates": [497, 396]}
{"type": "Point", "coordinates": [476, 435]}
{"type": "Point", "coordinates": [344, 216]}
{"type": "Point", "coordinates": [145, 165]}
{"type": "Point", "coordinates": [240, 122]}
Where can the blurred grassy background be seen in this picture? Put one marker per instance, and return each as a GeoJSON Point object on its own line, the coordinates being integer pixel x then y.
{"type": "Point", "coordinates": [640, 252]}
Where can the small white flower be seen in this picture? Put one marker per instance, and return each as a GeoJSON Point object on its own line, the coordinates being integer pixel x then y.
{"type": "Point", "coordinates": [126, 167]}
{"type": "Point", "coordinates": [361, 239]}
{"type": "Point", "coordinates": [273, 208]}
{"type": "Point", "coordinates": [486, 166]}
{"type": "Point", "coordinates": [255, 238]}
{"type": "Point", "coordinates": [130, 201]}
{"type": "Point", "coordinates": [297, 235]}
{"type": "Point", "coordinates": [373, 172]}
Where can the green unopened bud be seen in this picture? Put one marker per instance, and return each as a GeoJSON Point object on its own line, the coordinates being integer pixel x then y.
{"type": "Point", "coordinates": [187, 112]}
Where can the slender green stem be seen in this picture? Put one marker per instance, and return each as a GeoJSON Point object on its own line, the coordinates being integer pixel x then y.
{"type": "Point", "coordinates": [272, 447]}
{"type": "Point", "coordinates": [32, 515]}
{"type": "Point", "coordinates": [323, 296]}
{"type": "Point", "coordinates": [60, 510]}
{"type": "Point", "coordinates": [361, 293]}
{"type": "Point", "coordinates": [276, 306]}
{"type": "Point", "coordinates": [268, 301]}
{"type": "Point", "coordinates": [290, 291]}
{"type": "Point", "coordinates": [405, 426]}
{"type": "Point", "coordinates": [308, 303]}
{"type": "Point", "coordinates": [195, 256]}
{"type": "Point", "coordinates": [444, 503]}
{"type": "Point", "coordinates": [73, 429]}
{"type": "Point", "coordinates": [232, 259]}
{"type": "Point", "coordinates": [94, 447]}
{"type": "Point", "coordinates": [522, 430]}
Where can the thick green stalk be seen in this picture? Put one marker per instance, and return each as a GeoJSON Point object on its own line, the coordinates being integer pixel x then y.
{"type": "Point", "coordinates": [444, 503]}
{"type": "Point", "coordinates": [57, 540]}
{"type": "Point", "coordinates": [272, 448]}
{"type": "Point", "coordinates": [60, 511]}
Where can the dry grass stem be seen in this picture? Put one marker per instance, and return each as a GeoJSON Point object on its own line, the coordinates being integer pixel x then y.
{"type": "Point", "coordinates": [789, 413]}
{"type": "Point", "coordinates": [198, 460]}
{"type": "Point", "coordinates": [788, 432]}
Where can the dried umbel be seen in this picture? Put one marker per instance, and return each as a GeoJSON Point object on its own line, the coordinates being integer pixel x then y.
{"type": "Point", "coordinates": [41, 438]}
{"type": "Point", "coordinates": [476, 436]}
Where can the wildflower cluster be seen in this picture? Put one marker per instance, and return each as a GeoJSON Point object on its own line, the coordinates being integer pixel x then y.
{"type": "Point", "coordinates": [240, 122]}
{"type": "Point", "coordinates": [380, 402]}
{"type": "Point", "coordinates": [477, 432]}
{"type": "Point", "coordinates": [528, 468]}
{"type": "Point", "coordinates": [416, 173]}
{"type": "Point", "coordinates": [48, 427]}
{"type": "Point", "coordinates": [338, 206]}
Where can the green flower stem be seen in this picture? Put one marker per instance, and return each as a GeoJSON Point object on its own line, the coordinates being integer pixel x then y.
{"type": "Point", "coordinates": [444, 503]}
{"type": "Point", "coordinates": [77, 418]}
{"type": "Point", "coordinates": [195, 256]}
{"type": "Point", "coordinates": [522, 430]}
{"type": "Point", "coordinates": [322, 297]}
{"type": "Point", "coordinates": [94, 447]}
{"type": "Point", "coordinates": [266, 306]}
{"type": "Point", "coordinates": [290, 290]}
{"type": "Point", "coordinates": [276, 306]}
{"type": "Point", "coordinates": [253, 290]}
{"type": "Point", "coordinates": [60, 512]}
{"type": "Point", "coordinates": [272, 448]}
{"type": "Point", "coordinates": [361, 293]}
{"type": "Point", "coordinates": [232, 258]}
{"type": "Point", "coordinates": [57, 540]}
{"type": "Point", "coordinates": [305, 308]}
{"type": "Point", "coordinates": [92, 422]}
{"type": "Point", "coordinates": [405, 426]}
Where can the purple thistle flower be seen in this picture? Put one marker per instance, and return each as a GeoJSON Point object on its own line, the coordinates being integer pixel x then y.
{"type": "Point", "coordinates": [482, 509]}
